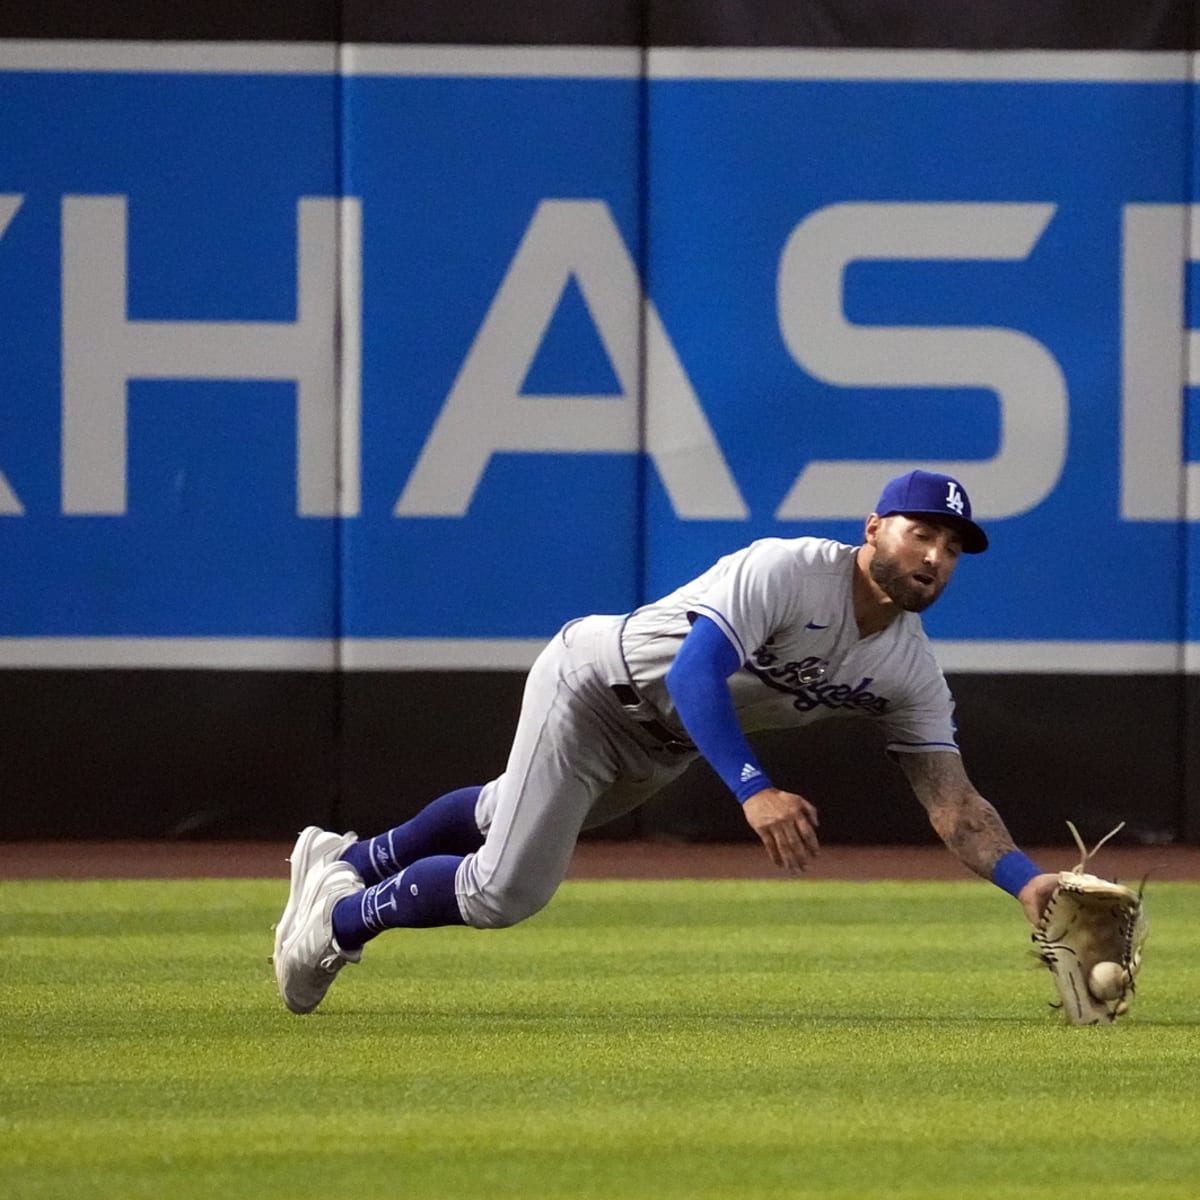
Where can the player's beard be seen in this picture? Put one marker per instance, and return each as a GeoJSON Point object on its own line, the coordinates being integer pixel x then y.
{"type": "Point", "coordinates": [899, 586]}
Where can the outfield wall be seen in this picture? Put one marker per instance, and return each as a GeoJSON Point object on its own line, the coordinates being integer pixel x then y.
{"type": "Point", "coordinates": [346, 354]}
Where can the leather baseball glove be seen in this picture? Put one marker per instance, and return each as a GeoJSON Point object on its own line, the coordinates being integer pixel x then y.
{"type": "Point", "coordinates": [1090, 936]}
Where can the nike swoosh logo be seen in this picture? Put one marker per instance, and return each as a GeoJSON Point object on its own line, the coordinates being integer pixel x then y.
{"type": "Point", "coordinates": [811, 625]}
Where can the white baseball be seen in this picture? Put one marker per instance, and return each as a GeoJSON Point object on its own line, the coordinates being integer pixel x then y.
{"type": "Point", "coordinates": [1106, 981]}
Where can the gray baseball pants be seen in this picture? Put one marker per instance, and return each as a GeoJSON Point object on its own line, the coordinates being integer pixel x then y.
{"type": "Point", "coordinates": [578, 760]}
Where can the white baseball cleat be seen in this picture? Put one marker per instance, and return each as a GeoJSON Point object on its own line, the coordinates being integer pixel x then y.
{"type": "Point", "coordinates": [315, 847]}
{"type": "Point", "coordinates": [310, 958]}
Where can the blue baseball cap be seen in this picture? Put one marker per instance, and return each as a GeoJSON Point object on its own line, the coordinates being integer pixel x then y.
{"type": "Point", "coordinates": [927, 494]}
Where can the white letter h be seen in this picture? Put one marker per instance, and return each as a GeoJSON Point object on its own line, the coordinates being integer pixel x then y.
{"type": "Point", "coordinates": [102, 350]}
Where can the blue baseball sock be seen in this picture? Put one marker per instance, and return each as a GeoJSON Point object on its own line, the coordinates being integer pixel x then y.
{"type": "Point", "coordinates": [420, 897]}
{"type": "Point", "coordinates": [444, 826]}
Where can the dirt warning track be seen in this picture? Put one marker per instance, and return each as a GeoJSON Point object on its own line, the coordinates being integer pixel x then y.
{"type": "Point", "coordinates": [593, 860]}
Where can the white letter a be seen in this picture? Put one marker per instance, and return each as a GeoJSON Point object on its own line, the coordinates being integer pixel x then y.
{"type": "Point", "coordinates": [485, 412]}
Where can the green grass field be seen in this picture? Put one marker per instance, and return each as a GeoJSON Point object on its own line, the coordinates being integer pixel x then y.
{"type": "Point", "coordinates": [658, 1040]}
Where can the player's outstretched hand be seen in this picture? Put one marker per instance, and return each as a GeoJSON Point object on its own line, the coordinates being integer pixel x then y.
{"type": "Point", "coordinates": [787, 825]}
{"type": "Point", "coordinates": [1035, 895]}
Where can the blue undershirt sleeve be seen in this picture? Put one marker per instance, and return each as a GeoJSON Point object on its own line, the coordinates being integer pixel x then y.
{"type": "Point", "coordinates": [699, 689]}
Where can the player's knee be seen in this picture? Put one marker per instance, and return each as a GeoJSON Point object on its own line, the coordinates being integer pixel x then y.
{"type": "Point", "coordinates": [499, 907]}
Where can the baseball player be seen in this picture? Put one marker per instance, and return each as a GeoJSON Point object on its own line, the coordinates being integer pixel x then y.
{"type": "Point", "coordinates": [783, 632]}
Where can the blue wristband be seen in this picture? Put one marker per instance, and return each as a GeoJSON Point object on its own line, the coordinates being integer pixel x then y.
{"type": "Point", "coordinates": [1013, 871]}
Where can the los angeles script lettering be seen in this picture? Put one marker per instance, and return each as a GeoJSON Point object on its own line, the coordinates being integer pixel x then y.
{"type": "Point", "coordinates": [789, 677]}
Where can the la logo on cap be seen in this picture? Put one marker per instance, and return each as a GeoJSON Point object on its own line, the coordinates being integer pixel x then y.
{"type": "Point", "coordinates": [954, 497]}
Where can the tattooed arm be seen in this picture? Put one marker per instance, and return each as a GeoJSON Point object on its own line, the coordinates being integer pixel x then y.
{"type": "Point", "coordinates": [963, 819]}
{"type": "Point", "coordinates": [971, 828]}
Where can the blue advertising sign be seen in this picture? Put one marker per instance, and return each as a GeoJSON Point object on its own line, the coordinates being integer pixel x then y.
{"type": "Point", "coordinates": [416, 356]}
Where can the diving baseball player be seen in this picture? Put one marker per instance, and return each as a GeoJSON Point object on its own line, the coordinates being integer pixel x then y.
{"type": "Point", "coordinates": [780, 633]}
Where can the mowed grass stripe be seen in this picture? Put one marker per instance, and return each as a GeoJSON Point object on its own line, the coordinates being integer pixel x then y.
{"type": "Point", "coordinates": [674, 1039]}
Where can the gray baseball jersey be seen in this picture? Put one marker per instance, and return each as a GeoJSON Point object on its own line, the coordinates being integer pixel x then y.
{"type": "Point", "coordinates": [787, 607]}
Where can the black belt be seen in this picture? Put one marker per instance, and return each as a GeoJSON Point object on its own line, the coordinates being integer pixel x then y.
{"type": "Point", "coordinates": [627, 696]}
